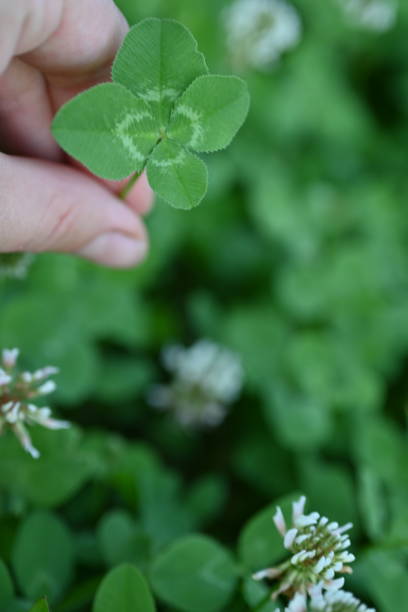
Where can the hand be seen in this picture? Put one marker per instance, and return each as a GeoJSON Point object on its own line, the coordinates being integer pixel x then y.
{"type": "Point", "coordinates": [49, 51]}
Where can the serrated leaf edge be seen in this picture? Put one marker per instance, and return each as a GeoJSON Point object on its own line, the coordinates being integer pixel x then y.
{"type": "Point", "coordinates": [190, 109]}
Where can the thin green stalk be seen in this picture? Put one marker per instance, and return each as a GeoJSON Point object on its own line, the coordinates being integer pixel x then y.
{"type": "Point", "coordinates": [128, 187]}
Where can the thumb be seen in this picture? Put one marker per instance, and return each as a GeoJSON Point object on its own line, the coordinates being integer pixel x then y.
{"type": "Point", "coordinates": [49, 207]}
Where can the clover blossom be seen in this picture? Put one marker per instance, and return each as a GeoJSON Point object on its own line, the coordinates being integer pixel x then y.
{"type": "Point", "coordinates": [259, 31]}
{"type": "Point", "coordinates": [378, 15]}
{"type": "Point", "coordinates": [297, 604]}
{"type": "Point", "coordinates": [17, 391]}
{"type": "Point", "coordinates": [318, 553]}
{"type": "Point", "coordinates": [207, 378]}
{"type": "Point", "coordinates": [15, 265]}
{"type": "Point", "coordinates": [335, 601]}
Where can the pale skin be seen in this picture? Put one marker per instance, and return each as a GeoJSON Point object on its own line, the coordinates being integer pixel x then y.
{"type": "Point", "coordinates": [49, 51]}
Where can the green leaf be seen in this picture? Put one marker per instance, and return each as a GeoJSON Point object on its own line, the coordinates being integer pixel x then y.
{"type": "Point", "coordinates": [195, 575]}
{"type": "Point", "coordinates": [123, 378]}
{"type": "Point", "coordinates": [260, 543]}
{"type": "Point", "coordinates": [157, 61]}
{"type": "Point", "coordinates": [301, 421]}
{"type": "Point", "coordinates": [43, 556]}
{"type": "Point", "coordinates": [210, 113]}
{"type": "Point", "coordinates": [40, 606]}
{"type": "Point", "coordinates": [251, 330]}
{"type": "Point", "coordinates": [317, 478]}
{"type": "Point", "coordinates": [121, 539]}
{"type": "Point", "coordinates": [258, 595]}
{"type": "Point", "coordinates": [114, 129]}
{"type": "Point", "coordinates": [124, 590]}
{"type": "Point", "coordinates": [134, 463]}
{"type": "Point", "coordinates": [64, 466]}
{"type": "Point", "coordinates": [177, 175]}
{"type": "Point", "coordinates": [164, 514]}
{"type": "Point", "coordinates": [373, 503]}
{"type": "Point", "coordinates": [81, 596]}
{"type": "Point", "coordinates": [18, 605]}
{"type": "Point", "coordinates": [107, 129]}
{"type": "Point", "coordinates": [206, 498]}
{"type": "Point", "coordinates": [384, 575]}
{"type": "Point", "coordinates": [6, 586]}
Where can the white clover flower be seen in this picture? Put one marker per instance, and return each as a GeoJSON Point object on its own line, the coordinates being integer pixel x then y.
{"type": "Point", "coordinates": [48, 387]}
{"type": "Point", "coordinates": [15, 265]}
{"type": "Point", "coordinates": [4, 378]}
{"type": "Point", "coordinates": [335, 601]}
{"type": "Point", "coordinates": [297, 604]}
{"type": "Point", "coordinates": [17, 390]}
{"type": "Point", "coordinates": [207, 378]}
{"type": "Point", "coordinates": [259, 31]}
{"type": "Point", "coordinates": [9, 357]}
{"type": "Point", "coordinates": [377, 15]}
{"type": "Point", "coordinates": [318, 550]}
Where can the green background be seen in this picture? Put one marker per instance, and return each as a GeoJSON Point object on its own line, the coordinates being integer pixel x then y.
{"type": "Point", "coordinates": [297, 260]}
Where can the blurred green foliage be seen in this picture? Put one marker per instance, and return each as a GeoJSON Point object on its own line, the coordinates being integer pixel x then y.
{"type": "Point", "coordinates": [298, 261]}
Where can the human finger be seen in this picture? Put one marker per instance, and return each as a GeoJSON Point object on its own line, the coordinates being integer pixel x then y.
{"type": "Point", "coordinates": [50, 207]}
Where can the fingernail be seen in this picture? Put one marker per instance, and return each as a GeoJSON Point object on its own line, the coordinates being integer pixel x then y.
{"type": "Point", "coordinates": [115, 250]}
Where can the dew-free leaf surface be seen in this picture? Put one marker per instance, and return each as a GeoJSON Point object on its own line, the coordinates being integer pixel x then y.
{"type": "Point", "coordinates": [209, 114]}
{"type": "Point", "coordinates": [108, 129]}
{"type": "Point", "coordinates": [195, 574]}
{"type": "Point", "coordinates": [177, 175]}
{"type": "Point", "coordinates": [43, 556]}
{"type": "Point", "coordinates": [124, 590]}
{"type": "Point", "coordinates": [157, 62]}
{"type": "Point", "coordinates": [40, 606]}
{"type": "Point", "coordinates": [6, 586]}
{"type": "Point", "coordinates": [162, 105]}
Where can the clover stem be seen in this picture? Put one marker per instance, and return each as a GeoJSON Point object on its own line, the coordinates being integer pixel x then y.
{"type": "Point", "coordinates": [127, 188]}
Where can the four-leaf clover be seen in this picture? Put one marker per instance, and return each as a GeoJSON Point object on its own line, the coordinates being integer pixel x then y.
{"type": "Point", "coordinates": [161, 106]}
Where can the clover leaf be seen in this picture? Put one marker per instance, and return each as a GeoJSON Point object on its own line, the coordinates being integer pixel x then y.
{"type": "Point", "coordinates": [161, 108]}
